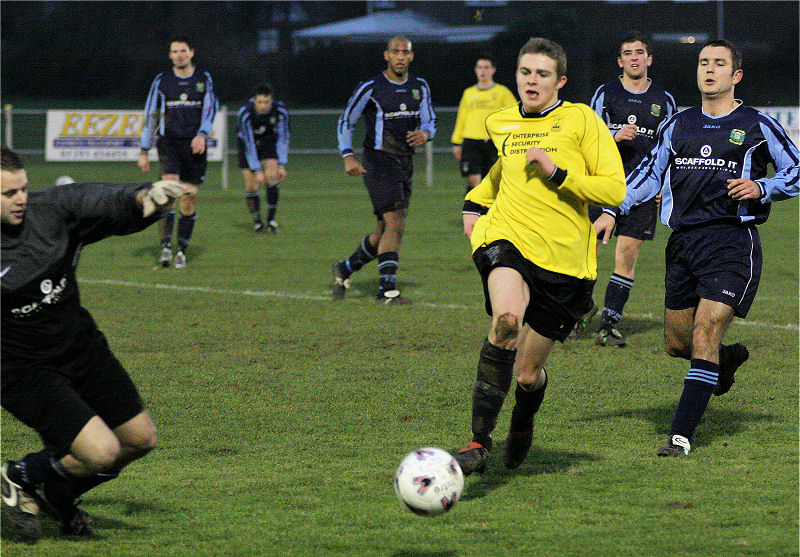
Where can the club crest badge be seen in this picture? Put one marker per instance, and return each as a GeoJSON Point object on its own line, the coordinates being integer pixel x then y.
{"type": "Point", "coordinates": [737, 137]}
{"type": "Point", "coordinates": [200, 86]}
{"type": "Point", "coordinates": [655, 110]}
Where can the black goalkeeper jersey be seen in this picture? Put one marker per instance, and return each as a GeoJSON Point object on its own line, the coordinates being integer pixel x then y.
{"type": "Point", "coordinates": [42, 317]}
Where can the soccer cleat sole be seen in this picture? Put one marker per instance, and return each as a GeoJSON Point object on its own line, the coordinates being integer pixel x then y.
{"type": "Point", "coordinates": [20, 510]}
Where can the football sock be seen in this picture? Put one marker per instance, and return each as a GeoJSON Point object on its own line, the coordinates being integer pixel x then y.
{"type": "Point", "coordinates": [165, 226]}
{"type": "Point", "coordinates": [365, 253]}
{"type": "Point", "coordinates": [253, 204]}
{"type": "Point", "coordinates": [185, 229]}
{"type": "Point", "coordinates": [528, 403]}
{"type": "Point", "coordinates": [82, 485]}
{"type": "Point", "coordinates": [617, 292]}
{"type": "Point", "coordinates": [35, 468]}
{"type": "Point", "coordinates": [697, 389]}
{"type": "Point", "coordinates": [495, 372]}
{"type": "Point", "coordinates": [273, 192]}
{"type": "Point", "coordinates": [387, 268]}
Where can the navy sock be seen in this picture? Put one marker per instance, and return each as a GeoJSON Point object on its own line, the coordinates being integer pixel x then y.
{"type": "Point", "coordinates": [165, 226]}
{"type": "Point", "coordinates": [617, 292]}
{"type": "Point", "coordinates": [365, 252]}
{"type": "Point", "coordinates": [273, 192]}
{"type": "Point", "coordinates": [82, 485]}
{"type": "Point", "coordinates": [35, 468]}
{"type": "Point", "coordinates": [253, 204]}
{"type": "Point", "coordinates": [387, 268]}
{"type": "Point", "coordinates": [495, 372]}
{"type": "Point", "coordinates": [697, 389]}
{"type": "Point", "coordinates": [528, 403]}
{"type": "Point", "coordinates": [185, 229]}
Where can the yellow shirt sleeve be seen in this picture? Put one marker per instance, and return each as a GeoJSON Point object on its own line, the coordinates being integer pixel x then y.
{"type": "Point", "coordinates": [485, 193]}
{"type": "Point", "coordinates": [461, 120]}
{"type": "Point", "coordinates": [604, 182]}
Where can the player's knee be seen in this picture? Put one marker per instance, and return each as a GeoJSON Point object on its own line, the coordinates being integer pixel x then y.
{"type": "Point", "coordinates": [102, 456]}
{"type": "Point", "coordinates": [675, 348]}
{"type": "Point", "coordinates": [506, 330]}
{"type": "Point", "coordinates": [143, 440]}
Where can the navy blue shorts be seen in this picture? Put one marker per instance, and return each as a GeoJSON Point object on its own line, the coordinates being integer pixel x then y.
{"type": "Point", "coordinates": [720, 263]}
{"type": "Point", "coordinates": [557, 300]}
{"type": "Point", "coordinates": [175, 157]}
{"type": "Point", "coordinates": [264, 151]}
{"type": "Point", "coordinates": [58, 398]}
{"type": "Point", "coordinates": [477, 156]}
{"type": "Point", "coordinates": [640, 223]}
{"type": "Point", "coordinates": [388, 181]}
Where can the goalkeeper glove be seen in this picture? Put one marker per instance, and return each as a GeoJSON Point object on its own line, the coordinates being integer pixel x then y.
{"type": "Point", "coordinates": [161, 193]}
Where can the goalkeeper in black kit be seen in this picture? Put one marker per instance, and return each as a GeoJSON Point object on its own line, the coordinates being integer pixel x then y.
{"type": "Point", "coordinates": [59, 375]}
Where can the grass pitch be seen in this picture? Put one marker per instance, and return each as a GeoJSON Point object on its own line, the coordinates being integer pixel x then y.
{"type": "Point", "coordinates": [282, 414]}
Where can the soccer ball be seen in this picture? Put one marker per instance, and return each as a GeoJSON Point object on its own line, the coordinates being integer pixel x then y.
{"type": "Point", "coordinates": [429, 481]}
{"type": "Point", "coordinates": [64, 180]}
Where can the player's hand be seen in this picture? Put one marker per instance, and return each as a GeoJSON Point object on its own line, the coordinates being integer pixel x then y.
{"type": "Point", "coordinates": [604, 225]}
{"type": "Point", "coordinates": [626, 132]}
{"type": "Point", "coordinates": [144, 162]}
{"type": "Point", "coordinates": [743, 188]}
{"type": "Point", "coordinates": [353, 167]}
{"type": "Point", "coordinates": [281, 173]}
{"type": "Point", "coordinates": [536, 157]}
{"type": "Point", "coordinates": [457, 152]}
{"type": "Point", "coordinates": [161, 194]}
{"type": "Point", "coordinates": [469, 223]}
{"type": "Point", "coordinates": [261, 178]}
{"type": "Point", "coordinates": [415, 138]}
{"type": "Point", "coordinates": [199, 144]}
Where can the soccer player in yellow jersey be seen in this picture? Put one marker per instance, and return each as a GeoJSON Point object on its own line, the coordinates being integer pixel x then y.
{"type": "Point", "coordinates": [533, 243]}
{"type": "Point", "coordinates": [472, 146]}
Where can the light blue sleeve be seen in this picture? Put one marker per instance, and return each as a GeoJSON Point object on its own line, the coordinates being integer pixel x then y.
{"type": "Point", "coordinates": [152, 114]}
{"type": "Point", "coordinates": [785, 155]}
{"type": "Point", "coordinates": [644, 182]}
{"type": "Point", "coordinates": [210, 107]}
{"type": "Point", "coordinates": [352, 112]}
{"type": "Point", "coordinates": [282, 146]}
{"type": "Point", "coordinates": [427, 117]}
{"type": "Point", "coordinates": [246, 135]}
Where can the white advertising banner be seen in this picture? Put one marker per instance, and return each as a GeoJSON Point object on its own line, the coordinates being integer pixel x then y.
{"type": "Point", "coordinates": [109, 135]}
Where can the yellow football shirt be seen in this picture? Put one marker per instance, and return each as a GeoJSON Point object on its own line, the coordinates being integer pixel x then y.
{"type": "Point", "coordinates": [547, 221]}
{"type": "Point", "coordinates": [476, 104]}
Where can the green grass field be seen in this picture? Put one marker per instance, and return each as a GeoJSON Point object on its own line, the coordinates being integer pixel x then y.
{"type": "Point", "coordinates": [283, 414]}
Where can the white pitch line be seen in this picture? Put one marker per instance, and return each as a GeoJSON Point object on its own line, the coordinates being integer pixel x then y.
{"type": "Point", "coordinates": [313, 297]}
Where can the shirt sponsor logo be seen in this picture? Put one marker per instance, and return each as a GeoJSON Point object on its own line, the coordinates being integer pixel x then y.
{"type": "Point", "coordinates": [401, 114]}
{"type": "Point", "coordinates": [632, 119]}
{"type": "Point", "coordinates": [52, 296]}
{"type": "Point", "coordinates": [737, 137]}
{"type": "Point", "coordinates": [705, 150]}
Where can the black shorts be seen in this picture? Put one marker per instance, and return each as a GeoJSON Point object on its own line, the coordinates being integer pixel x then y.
{"type": "Point", "coordinates": [557, 300]}
{"type": "Point", "coordinates": [640, 223]}
{"type": "Point", "coordinates": [264, 151]}
{"type": "Point", "coordinates": [175, 157]}
{"type": "Point", "coordinates": [388, 181]}
{"type": "Point", "coordinates": [58, 400]}
{"type": "Point", "coordinates": [477, 156]}
{"type": "Point", "coordinates": [720, 263]}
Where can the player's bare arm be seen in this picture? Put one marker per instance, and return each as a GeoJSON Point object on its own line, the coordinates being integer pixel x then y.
{"type": "Point", "coordinates": [743, 188]}
{"type": "Point", "coordinates": [198, 144]}
{"type": "Point", "coordinates": [144, 162]}
{"type": "Point", "coordinates": [416, 138]}
{"type": "Point", "coordinates": [352, 167]}
{"type": "Point", "coordinates": [538, 158]}
{"type": "Point", "coordinates": [605, 225]}
{"type": "Point", "coordinates": [626, 133]}
{"type": "Point", "coordinates": [469, 223]}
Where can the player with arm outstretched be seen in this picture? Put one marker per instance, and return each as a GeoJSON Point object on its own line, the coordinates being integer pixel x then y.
{"type": "Point", "coordinates": [711, 165]}
{"type": "Point", "coordinates": [59, 376]}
